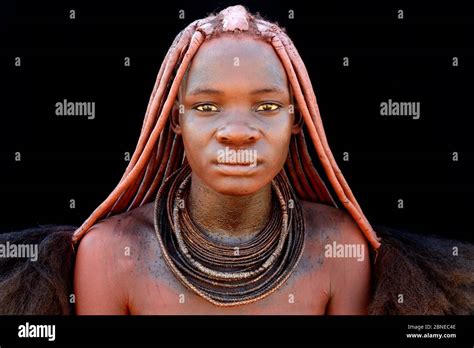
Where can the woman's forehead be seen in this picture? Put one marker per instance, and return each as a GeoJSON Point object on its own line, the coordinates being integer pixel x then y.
{"type": "Point", "coordinates": [237, 61]}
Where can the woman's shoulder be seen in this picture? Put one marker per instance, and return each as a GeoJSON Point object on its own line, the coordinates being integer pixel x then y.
{"type": "Point", "coordinates": [109, 258]}
{"type": "Point", "coordinates": [335, 241]}
{"type": "Point", "coordinates": [127, 227]}
{"type": "Point", "coordinates": [331, 224]}
{"type": "Point", "coordinates": [119, 237]}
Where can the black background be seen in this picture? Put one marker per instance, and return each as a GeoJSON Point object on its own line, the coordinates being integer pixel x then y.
{"type": "Point", "coordinates": [67, 158]}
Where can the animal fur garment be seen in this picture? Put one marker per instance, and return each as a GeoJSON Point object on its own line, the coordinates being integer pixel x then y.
{"type": "Point", "coordinates": [417, 274]}
{"type": "Point", "coordinates": [43, 286]}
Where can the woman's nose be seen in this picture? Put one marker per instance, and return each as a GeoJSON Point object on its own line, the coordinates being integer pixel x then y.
{"type": "Point", "coordinates": [237, 133]}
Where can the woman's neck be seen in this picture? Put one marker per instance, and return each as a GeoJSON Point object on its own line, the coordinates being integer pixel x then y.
{"type": "Point", "coordinates": [229, 219]}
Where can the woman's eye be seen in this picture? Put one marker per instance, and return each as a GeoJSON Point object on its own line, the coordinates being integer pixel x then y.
{"type": "Point", "coordinates": [268, 107]}
{"type": "Point", "coordinates": [206, 108]}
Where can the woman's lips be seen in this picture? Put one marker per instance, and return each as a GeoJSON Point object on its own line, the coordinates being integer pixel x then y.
{"type": "Point", "coordinates": [236, 169]}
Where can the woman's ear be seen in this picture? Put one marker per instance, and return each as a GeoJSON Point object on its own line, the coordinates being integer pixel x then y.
{"type": "Point", "coordinates": [298, 123]}
{"type": "Point", "coordinates": [174, 117]}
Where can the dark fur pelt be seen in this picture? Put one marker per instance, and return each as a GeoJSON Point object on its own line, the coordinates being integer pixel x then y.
{"type": "Point", "coordinates": [43, 286]}
{"type": "Point", "coordinates": [422, 269]}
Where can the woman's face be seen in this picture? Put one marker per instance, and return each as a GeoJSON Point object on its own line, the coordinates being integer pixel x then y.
{"type": "Point", "coordinates": [234, 115]}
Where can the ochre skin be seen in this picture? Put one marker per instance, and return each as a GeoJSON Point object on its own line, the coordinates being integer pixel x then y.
{"type": "Point", "coordinates": [219, 202]}
{"type": "Point", "coordinates": [119, 267]}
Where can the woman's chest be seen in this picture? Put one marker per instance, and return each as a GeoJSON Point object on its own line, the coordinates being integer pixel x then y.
{"type": "Point", "coordinates": [158, 291]}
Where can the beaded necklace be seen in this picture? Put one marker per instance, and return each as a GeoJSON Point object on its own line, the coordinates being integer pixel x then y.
{"type": "Point", "coordinates": [223, 274]}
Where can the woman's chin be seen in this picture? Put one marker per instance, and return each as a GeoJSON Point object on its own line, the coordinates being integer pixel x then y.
{"type": "Point", "coordinates": [237, 186]}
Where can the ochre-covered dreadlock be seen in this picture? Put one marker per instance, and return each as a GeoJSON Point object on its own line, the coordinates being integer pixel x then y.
{"type": "Point", "coordinates": [160, 151]}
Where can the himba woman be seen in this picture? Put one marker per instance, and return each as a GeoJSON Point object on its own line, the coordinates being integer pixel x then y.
{"type": "Point", "coordinates": [223, 211]}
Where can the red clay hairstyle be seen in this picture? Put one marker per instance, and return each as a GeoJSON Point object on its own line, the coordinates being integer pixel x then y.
{"type": "Point", "coordinates": [160, 152]}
